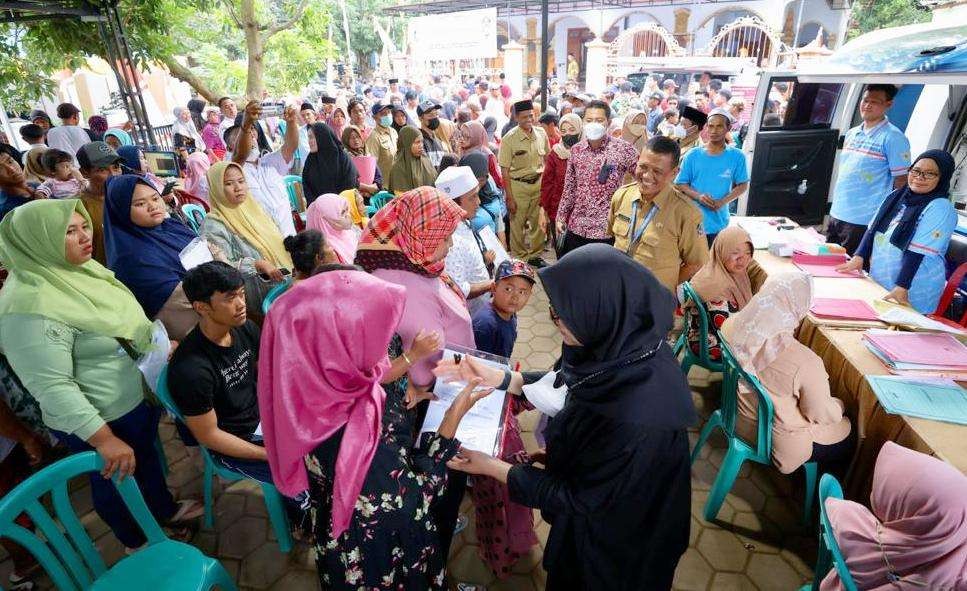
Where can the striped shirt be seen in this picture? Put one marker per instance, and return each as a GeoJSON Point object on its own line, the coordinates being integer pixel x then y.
{"type": "Point", "coordinates": [869, 161]}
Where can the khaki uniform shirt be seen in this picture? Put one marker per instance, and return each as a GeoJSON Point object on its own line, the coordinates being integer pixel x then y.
{"type": "Point", "coordinates": [382, 144]}
{"type": "Point", "coordinates": [673, 238]}
{"type": "Point", "coordinates": [523, 154]}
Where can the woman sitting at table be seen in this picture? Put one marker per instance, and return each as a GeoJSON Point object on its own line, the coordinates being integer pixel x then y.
{"type": "Point", "coordinates": [329, 214]}
{"type": "Point", "coordinates": [725, 283]}
{"type": "Point", "coordinates": [915, 537]}
{"type": "Point", "coordinates": [808, 425]}
{"type": "Point", "coordinates": [908, 238]}
{"type": "Point", "coordinates": [246, 235]}
{"type": "Point", "coordinates": [143, 246]}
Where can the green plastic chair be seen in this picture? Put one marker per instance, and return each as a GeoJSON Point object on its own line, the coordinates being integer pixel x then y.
{"type": "Point", "coordinates": [377, 202]}
{"type": "Point", "coordinates": [739, 451]}
{"type": "Point", "coordinates": [274, 294]}
{"type": "Point", "coordinates": [70, 558]}
{"type": "Point", "coordinates": [273, 499]}
{"type": "Point", "coordinates": [194, 215]}
{"type": "Point", "coordinates": [293, 186]}
{"type": "Point", "coordinates": [702, 359]}
{"type": "Point", "coordinates": [829, 554]}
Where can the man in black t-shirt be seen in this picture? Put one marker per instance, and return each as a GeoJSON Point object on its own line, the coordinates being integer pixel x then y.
{"type": "Point", "coordinates": [213, 373]}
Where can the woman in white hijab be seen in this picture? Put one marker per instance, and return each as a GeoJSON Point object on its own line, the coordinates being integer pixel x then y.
{"type": "Point", "coordinates": [185, 127]}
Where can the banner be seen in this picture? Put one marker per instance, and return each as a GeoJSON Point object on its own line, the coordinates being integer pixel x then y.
{"type": "Point", "coordinates": [471, 34]}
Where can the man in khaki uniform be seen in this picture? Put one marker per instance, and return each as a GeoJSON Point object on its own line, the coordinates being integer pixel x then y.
{"type": "Point", "coordinates": [521, 160]}
{"type": "Point", "coordinates": [655, 223]}
{"type": "Point", "coordinates": [382, 141]}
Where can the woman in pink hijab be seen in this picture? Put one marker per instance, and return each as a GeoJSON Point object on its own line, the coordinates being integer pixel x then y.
{"type": "Point", "coordinates": [330, 215]}
{"type": "Point", "coordinates": [916, 535]}
{"type": "Point", "coordinates": [474, 138]}
{"type": "Point", "coordinates": [196, 179]}
{"type": "Point", "coordinates": [332, 429]}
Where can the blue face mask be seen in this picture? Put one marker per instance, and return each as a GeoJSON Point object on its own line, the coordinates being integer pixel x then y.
{"type": "Point", "coordinates": [386, 120]}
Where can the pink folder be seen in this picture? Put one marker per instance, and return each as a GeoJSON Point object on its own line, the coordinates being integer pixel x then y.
{"type": "Point", "coordinates": [822, 265]}
{"type": "Point", "coordinates": [366, 167]}
{"type": "Point", "coordinates": [920, 348]}
{"type": "Point", "coordinates": [842, 309]}
{"type": "Point", "coordinates": [818, 259]}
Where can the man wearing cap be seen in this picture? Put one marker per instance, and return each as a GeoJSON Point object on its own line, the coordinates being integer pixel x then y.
{"type": "Point", "coordinates": [655, 112]}
{"type": "Point", "coordinates": [428, 114]}
{"type": "Point", "coordinates": [714, 175]}
{"type": "Point", "coordinates": [328, 106]}
{"type": "Point", "coordinates": [468, 262]}
{"type": "Point", "coordinates": [98, 162]}
{"type": "Point", "coordinates": [382, 141]}
{"type": "Point", "coordinates": [521, 160]}
{"type": "Point", "coordinates": [654, 222]}
{"type": "Point", "coordinates": [693, 121]}
{"type": "Point", "coordinates": [41, 118]}
{"type": "Point", "coordinates": [68, 137]}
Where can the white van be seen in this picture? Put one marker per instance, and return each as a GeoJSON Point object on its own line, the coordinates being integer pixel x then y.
{"type": "Point", "coordinates": [793, 160]}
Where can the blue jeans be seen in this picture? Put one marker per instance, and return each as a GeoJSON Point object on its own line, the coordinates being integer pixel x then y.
{"type": "Point", "coordinates": [139, 429]}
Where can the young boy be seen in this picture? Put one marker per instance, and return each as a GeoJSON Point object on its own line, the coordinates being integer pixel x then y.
{"type": "Point", "coordinates": [495, 325]}
{"type": "Point", "coordinates": [64, 179]}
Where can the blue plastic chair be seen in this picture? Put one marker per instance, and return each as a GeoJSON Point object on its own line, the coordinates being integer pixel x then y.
{"type": "Point", "coordinates": [70, 558]}
{"type": "Point", "coordinates": [194, 215]}
{"type": "Point", "coordinates": [829, 554]}
{"type": "Point", "coordinates": [273, 499]}
{"type": "Point", "coordinates": [293, 186]}
{"type": "Point", "coordinates": [739, 451]}
{"type": "Point", "coordinates": [377, 202]}
{"type": "Point", "coordinates": [274, 294]}
{"type": "Point", "coordinates": [703, 358]}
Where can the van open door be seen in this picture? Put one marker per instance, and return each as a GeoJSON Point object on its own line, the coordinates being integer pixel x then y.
{"type": "Point", "coordinates": [793, 148]}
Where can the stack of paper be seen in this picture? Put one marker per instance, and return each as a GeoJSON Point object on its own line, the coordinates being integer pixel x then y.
{"type": "Point", "coordinates": [822, 265]}
{"type": "Point", "coordinates": [915, 353]}
{"type": "Point", "coordinates": [842, 309]}
{"type": "Point", "coordinates": [938, 399]}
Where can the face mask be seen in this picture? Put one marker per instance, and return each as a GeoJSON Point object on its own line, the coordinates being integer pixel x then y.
{"type": "Point", "coordinates": [594, 131]}
{"type": "Point", "coordinates": [386, 120]}
{"type": "Point", "coordinates": [544, 396]}
{"type": "Point", "coordinates": [637, 129]}
{"type": "Point", "coordinates": [433, 124]}
{"type": "Point", "coordinates": [679, 131]}
{"type": "Point", "coordinates": [570, 139]}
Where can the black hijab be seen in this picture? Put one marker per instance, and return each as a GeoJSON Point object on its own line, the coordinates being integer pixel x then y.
{"type": "Point", "coordinates": [914, 202]}
{"type": "Point", "coordinates": [196, 107]}
{"type": "Point", "coordinates": [625, 369]}
{"type": "Point", "coordinates": [329, 169]}
{"type": "Point", "coordinates": [480, 165]}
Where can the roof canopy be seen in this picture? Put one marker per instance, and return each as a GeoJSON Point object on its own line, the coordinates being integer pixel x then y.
{"type": "Point", "coordinates": [525, 7]}
{"type": "Point", "coordinates": [32, 10]}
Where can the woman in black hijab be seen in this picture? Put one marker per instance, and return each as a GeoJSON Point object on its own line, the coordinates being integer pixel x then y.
{"type": "Point", "coordinates": [328, 168]}
{"type": "Point", "coordinates": [616, 488]}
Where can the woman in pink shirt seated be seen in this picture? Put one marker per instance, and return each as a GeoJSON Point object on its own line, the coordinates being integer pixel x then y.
{"type": "Point", "coordinates": [808, 424]}
{"type": "Point", "coordinates": [915, 537]}
{"type": "Point", "coordinates": [406, 243]}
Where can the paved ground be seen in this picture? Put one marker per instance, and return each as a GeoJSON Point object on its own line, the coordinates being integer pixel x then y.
{"type": "Point", "coordinates": [758, 544]}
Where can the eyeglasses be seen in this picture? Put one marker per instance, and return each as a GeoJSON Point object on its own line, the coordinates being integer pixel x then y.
{"type": "Point", "coordinates": [927, 175]}
{"type": "Point", "coordinates": [554, 316]}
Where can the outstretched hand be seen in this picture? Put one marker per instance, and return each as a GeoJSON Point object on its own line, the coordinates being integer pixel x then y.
{"type": "Point", "coordinates": [467, 369]}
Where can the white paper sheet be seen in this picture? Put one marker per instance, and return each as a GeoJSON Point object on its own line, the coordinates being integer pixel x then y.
{"type": "Point", "coordinates": [195, 254]}
{"type": "Point", "coordinates": [905, 317]}
{"type": "Point", "coordinates": [153, 362]}
{"type": "Point", "coordinates": [481, 427]}
{"type": "Point", "coordinates": [492, 243]}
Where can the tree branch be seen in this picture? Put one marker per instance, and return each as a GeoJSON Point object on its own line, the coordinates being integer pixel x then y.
{"type": "Point", "coordinates": [186, 75]}
{"type": "Point", "coordinates": [287, 24]}
{"type": "Point", "coordinates": [229, 4]}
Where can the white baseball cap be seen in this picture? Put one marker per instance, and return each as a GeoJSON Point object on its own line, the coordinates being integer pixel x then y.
{"type": "Point", "coordinates": [456, 181]}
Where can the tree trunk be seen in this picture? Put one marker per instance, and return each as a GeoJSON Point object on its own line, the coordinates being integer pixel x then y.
{"type": "Point", "coordinates": [255, 48]}
{"type": "Point", "coordinates": [186, 75]}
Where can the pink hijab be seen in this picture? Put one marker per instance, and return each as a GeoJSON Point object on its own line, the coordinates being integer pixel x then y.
{"type": "Point", "coordinates": [319, 372]}
{"type": "Point", "coordinates": [337, 128]}
{"type": "Point", "coordinates": [477, 136]}
{"type": "Point", "coordinates": [329, 214]}
{"type": "Point", "coordinates": [196, 181]}
{"type": "Point", "coordinates": [919, 517]}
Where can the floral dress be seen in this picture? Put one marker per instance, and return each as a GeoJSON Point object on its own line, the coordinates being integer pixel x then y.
{"type": "Point", "coordinates": [392, 541]}
{"type": "Point", "coordinates": [717, 314]}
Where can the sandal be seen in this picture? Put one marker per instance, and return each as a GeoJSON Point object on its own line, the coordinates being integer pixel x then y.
{"type": "Point", "coordinates": [20, 583]}
{"type": "Point", "coordinates": [188, 509]}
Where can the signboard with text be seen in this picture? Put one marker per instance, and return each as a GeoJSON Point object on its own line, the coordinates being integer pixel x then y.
{"type": "Point", "coordinates": [471, 34]}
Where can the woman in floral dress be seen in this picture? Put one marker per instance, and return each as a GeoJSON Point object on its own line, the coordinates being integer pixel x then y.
{"type": "Point", "coordinates": [333, 430]}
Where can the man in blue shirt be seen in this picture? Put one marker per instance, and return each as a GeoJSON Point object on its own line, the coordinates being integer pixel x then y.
{"type": "Point", "coordinates": [655, 112]}
{"type": "Point", "coordinates": [874, 162]}
{"type": "Point", "coordinates": [714, 175]}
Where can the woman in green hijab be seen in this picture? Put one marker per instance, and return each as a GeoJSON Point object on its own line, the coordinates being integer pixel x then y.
{"type": "Point", "coordinates": [71, 331]}
{"type": "Point", "coordinates": [413, 167]}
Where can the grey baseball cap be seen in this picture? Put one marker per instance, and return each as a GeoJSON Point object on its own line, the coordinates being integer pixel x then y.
{"type": "Point", "coordinates": [97, 155]}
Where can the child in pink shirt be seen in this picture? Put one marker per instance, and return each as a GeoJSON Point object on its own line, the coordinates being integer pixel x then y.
{"type": "Point", "coordinates": [64, 181]}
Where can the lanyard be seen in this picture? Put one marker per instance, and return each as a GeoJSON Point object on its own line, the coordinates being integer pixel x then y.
{"type": "Point", "coordinates": [637, 234]}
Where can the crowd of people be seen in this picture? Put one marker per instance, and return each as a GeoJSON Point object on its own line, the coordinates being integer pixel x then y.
{"type": "Point", "coordinates": [414, 197]}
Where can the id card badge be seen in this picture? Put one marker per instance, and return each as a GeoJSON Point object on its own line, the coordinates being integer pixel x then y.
{"type": "Point", "coordinates": [196, 253]}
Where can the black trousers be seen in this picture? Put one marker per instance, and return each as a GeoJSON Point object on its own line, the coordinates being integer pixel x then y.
{"type": "Point", "coordinates": [573, 241]}
{"type": "Point", "coordinates": [845, 234]}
